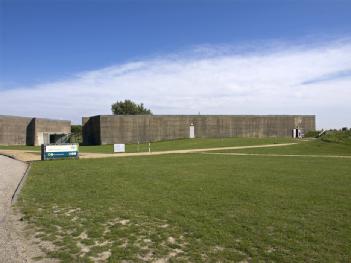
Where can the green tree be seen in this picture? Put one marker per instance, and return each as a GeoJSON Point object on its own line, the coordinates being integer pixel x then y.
{"type": "Point", "coordinates": [129, 107]}
{"type": "Point", "coordinates": [76, 134]}
{"type": "Point", "coordinates": [76, 129]}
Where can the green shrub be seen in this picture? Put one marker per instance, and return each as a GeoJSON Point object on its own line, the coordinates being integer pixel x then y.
{"type": "Point", "coordinates": [76, 136]}
{"type": "Point", "coordinates": [76, 129]}
{"type": "Point", "coordinates": [312, 134]}
{"type": "Point", "coordinates": [337, 136]}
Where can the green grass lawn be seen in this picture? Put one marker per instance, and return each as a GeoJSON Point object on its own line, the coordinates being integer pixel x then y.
{"type": "Point", "coordinates": [193, 208]}
{"type": "Point", "coordinates": [314, 147]}
{"type": "Point", "coordinates": [181, 144]}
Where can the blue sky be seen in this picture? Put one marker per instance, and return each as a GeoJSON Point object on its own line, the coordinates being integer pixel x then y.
{"type": "Point", "coordinates": [48, 44]}
{"type": "Point", "coordinates": [44, 40]}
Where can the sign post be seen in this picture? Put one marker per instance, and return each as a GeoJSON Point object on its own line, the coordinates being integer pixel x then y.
{"type": "Point", "coordinates": [59, 151]}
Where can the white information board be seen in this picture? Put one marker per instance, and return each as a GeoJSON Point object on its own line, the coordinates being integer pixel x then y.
{"type": "Point", "coordinates": [61, 148]}
{"type": "Point", "coordinates": [119, 148]}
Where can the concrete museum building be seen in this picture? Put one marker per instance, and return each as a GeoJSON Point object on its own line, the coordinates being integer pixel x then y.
{"type": "Point", "coordinates": [109, 129]}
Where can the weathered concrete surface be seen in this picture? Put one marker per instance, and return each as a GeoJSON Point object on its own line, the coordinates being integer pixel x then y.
{"type": "Point", "coordinates": [13, 130]}
{"type": "Point", "coordinates": [48, 125]}
{"type": "Point", "coordinates": [16, 130]}
{"type": "Point", "coordinates": [109, 129]}
{"type": "Point", "coordinates": [91, 130]}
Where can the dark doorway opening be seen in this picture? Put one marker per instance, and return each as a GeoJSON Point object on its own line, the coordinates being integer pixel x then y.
{"type": "Point", "coordinates": [56, 138]}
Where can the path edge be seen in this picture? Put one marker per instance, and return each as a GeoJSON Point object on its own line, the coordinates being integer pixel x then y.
{"type": "Point", "coordinates": [23, 179]}
{"type": "Point", "coordinates": [20, 184]}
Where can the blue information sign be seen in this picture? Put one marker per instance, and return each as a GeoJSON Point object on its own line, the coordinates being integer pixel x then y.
{"type": "Point", "coordinates": [59, 151]}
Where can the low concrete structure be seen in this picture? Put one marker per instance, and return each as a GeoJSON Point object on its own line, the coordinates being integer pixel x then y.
{"type": "Point", "coordinates": [16, 130]}
{"type": "Point", "coordinates": [109, 129]}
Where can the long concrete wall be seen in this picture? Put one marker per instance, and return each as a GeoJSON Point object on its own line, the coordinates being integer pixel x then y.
{"type": "Point", "coordinates": [16, 130]}
{"type": "Point", "coordinates": [109, 129]}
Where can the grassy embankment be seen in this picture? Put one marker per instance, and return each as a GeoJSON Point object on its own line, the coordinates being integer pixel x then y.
{"type": "Point", "coordinates": [194, 207]}
{"type": "Point", "coordinates": [332, 143]}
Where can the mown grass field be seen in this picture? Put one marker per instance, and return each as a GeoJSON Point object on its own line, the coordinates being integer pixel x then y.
{"type": "Point", "coordinates": [184, 144]}
{"type": "Point", "coordinates": [181, 144]}
{"type": "Point", "coordinates": [194, 208]}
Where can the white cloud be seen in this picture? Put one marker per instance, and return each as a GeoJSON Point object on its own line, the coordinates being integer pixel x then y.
{"type": "Point", "coordinates": [208, 79]}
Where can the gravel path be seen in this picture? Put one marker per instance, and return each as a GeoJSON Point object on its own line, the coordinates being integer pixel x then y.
{"type": "Point", "coordinates": [25, 155]}
{"type": "Point", "coordinates": [104, 155]}
{"type": "Point", "coordinates": [14, 245]}
{"type": "Point", "coordinates": [22, 155]}
{"type": "Point", "coordinates": [11, 172]}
